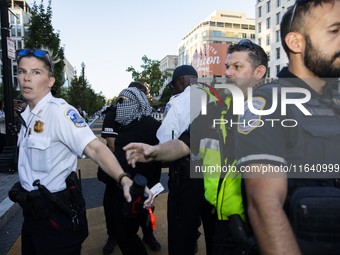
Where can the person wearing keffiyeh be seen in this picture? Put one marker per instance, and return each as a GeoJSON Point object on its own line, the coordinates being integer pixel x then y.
{"type": "Point", "coordinates": [132, 104]}
{"type": "Point", "coordinates": [137, 125]}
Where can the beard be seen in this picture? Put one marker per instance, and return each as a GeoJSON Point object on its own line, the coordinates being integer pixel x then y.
{"type": "Point", "coordinates": [319, 63]}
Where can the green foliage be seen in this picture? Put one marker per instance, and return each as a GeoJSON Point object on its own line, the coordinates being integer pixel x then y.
{"type": "Point", "coordinates": [165, 97]}
{"type": "Point", "coordinates": [16, 94]}
{"type": "Point", "coordinates": [151, 76]}
{"type": "Point", "coordinates": [81, 93]}
{"type": "Point", "coordinates": [41, 35]}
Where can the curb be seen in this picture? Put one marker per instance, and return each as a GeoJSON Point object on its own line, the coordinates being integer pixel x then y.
{"type": "Point", "coordinates": [7, 209]}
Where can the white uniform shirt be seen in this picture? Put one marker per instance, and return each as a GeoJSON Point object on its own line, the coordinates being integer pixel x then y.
{"type": "Point", "coordinates": [179, 113]}
{"type": "Point", "coordinates": [48, 148]}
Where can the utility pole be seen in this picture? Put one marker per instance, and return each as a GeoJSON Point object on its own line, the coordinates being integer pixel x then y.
{"type": "Point", "coordinates": [9, 157]}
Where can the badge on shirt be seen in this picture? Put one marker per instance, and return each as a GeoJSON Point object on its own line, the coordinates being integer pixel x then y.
{"type": "Point", "coordinates": [38, 126]}
{"type": "Point", "coordinates": [167, 108]}
{"type": "Point", "coordinates": [74, 116]}
{"type": "Point", "coordinates": [249, 121]}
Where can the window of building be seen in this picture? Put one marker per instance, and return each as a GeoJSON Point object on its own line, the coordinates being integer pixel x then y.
{"type": "Point", "coordinates": [252, 36]}
{"type": "Point", "coordinates": [260, 41]}
{"type": "Point", "coordinates": [15, 70]}
{"type": "Point", "coordinates": [217, 33]}
{"type": "Point", "coordinates": [229, 25]}
{"type": "Point", "coordinates": [196, 36]}
{"type": "Point", "coordinates": [18, 19]}
{"type": "Point", "coordinates": [19, 31]}
{"type": "Point", "coordinates": [268, 40]}
{"type": "Point", "coordinates": [268, 72]}
{"type": "Point", "coordinates": [268, 6]}
{"type": "Point", "coordinates": [260, 11]}
{"type": "Point", "coordinates": [278, 18]}
{"type": "Point", "coordinates": [236, 26]}
{"type": "Point", "coordinates": [230, 34]}
{"type": "Point", "coordinates": [191, 39]}
{"type": "Point", "coordinates": [278, 36]}
{"type": "Point", "coordinates": [19, 44]}
{"type": "Point", "coordinates": [260, 27]}
{"type": "Point", "coordinates": [13, 31]}
{"type": "Point", "coordinates": [242, 35]}
{"type": "Point", "coordinates": [268, 23]}
{"type": "Point", "coordinates": [278, 3]}
{"type": "Point", "coordinates": [217, 42]}
{"type": "Point", "coordinates": [278, 53]}
{"type": "Point", "coordinates": [268, 55]}
{"type": "Point", "coordinates": [188, 42]}
{"type": "Point", "coordinates": [277, 69]}
{"type": "Point", "coordinates": [244, 26]}
{"type": "Point", "coordinates": [251, 27]}
{"type": "Point", "coordinates": [220, 24]}
{"type": "Point", "coordinates": [12, 19]}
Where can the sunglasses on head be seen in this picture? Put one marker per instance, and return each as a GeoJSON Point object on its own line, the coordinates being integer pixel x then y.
{"type": "Point", "coordinates": [249, 44]}
{"type": "Point", "coordinates": [38, 53]}
{"type": "Point", "coordinates": [293, 14]}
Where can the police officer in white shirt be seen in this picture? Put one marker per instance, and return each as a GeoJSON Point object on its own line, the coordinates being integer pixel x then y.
{"type": "Point", "coordinates": [186, 196]}
{"type": "Point", "coordinates": [49, 143]}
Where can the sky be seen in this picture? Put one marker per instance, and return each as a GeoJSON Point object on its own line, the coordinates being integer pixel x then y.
{"type": "Point", "coordinates": [109, 35]}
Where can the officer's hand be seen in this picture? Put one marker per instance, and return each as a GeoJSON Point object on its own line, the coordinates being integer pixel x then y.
{"type": "Point", "coordinates": [126, 184]}
{"type": "Point", "coordinates": [149, 202]}
{"type": "Point", "coordinates": [140, 152]}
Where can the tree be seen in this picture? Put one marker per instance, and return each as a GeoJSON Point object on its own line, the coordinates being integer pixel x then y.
{"type": "Point", "coordinates": [151, 76]}
{"type": "Point", "coordinates": [41, 35]}
{"type": "Point", "coordinates": [81, 93]}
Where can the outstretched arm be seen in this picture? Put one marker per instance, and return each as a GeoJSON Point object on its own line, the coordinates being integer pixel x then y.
{"type": "Point", "coordinates": [97, 151]}
{"type": "Point", "coordinates": [169, 151]}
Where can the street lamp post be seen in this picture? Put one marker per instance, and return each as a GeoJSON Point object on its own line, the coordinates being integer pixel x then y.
{"type": "Point", "coordinates": [83, 67]}
{"type": "Point", "coordinates": [8, 158]}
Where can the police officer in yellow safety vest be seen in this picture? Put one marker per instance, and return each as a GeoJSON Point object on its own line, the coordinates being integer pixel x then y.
{"type": "Point", "coordinates": [246, 66]}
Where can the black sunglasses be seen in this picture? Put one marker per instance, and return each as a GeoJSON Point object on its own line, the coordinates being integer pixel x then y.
{"type": "Point", "coordinates": [293, 14]}
{"type": "Point", "coordinates": [38, 53]}
{"type": "Point", "coordinates": [249, 44]}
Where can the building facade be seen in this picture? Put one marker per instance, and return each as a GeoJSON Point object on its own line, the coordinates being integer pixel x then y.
{"type": "Point", "coordinates": [268, 18]}
{"type": "Point", "coordinates": [169, 64]}
{"type": "Point", "coordinates": [205, 46]}
{"type": "Point", "coordinates": [19, 24]}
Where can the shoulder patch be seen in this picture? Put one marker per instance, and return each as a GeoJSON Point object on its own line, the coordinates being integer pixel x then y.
{"type": "Point", "coordinates": [167, 109]}
{"type": "Point", "coordinates": [73, 115]}
{"type": "Point", "coordinates": [250, 120]}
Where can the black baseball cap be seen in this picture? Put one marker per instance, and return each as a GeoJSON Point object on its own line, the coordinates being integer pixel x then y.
{"type": "Point", "coordinates": [182, 70]}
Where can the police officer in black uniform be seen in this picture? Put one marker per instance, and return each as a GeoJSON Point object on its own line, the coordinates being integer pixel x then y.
{"type": "Point", "coordinates": [296, 143]}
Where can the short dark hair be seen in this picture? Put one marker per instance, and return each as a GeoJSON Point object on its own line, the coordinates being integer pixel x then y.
{"type": "Point", "coordinates": [254, 56]}
{"type": "Point", "coordinates": [299, 22]}
{"type": "Point", "coordinates": [138, 85]}
{"type": "Point", "coordinates": [46, 62]}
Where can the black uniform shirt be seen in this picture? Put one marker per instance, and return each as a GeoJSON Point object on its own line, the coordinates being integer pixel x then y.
{"type": "Point", "coordinates": [271, 142]}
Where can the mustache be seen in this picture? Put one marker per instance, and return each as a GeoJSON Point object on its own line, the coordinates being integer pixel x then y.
{"type": "Point", "coordinates": [231, 80]}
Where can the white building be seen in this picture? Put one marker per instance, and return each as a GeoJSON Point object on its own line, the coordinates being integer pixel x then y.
{"type": "Point", "coordinates": [19, 28]}
{"type": "Point", "coordinates": [169, 64]}
{"type": "Point", "coordinates": [220, 27]}
{"type": "Point", "coordinates": [268, 18]}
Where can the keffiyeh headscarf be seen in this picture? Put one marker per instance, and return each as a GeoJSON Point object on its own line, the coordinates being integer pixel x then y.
{"type": "Point", "coordinates": [134, 106]}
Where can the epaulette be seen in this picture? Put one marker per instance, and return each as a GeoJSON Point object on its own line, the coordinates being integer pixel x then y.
{"type": "Point", "coordinates": [264, 82]}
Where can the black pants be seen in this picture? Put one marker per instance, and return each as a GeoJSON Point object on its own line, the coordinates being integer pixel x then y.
{"type": "Point", "coordinates": [109, 211]}
{"type": "Point", "coordinates": [184, 208]}
{"type": "Point", "coordinates": [224, 241]}
{"type": "Point", "coordinates": [53, 235]}
{"type": "Point", "coordinates": [126, 229]}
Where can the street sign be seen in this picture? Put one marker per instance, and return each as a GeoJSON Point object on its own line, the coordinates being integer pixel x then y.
{"type": "Point", "coordinates": [10, 48]}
